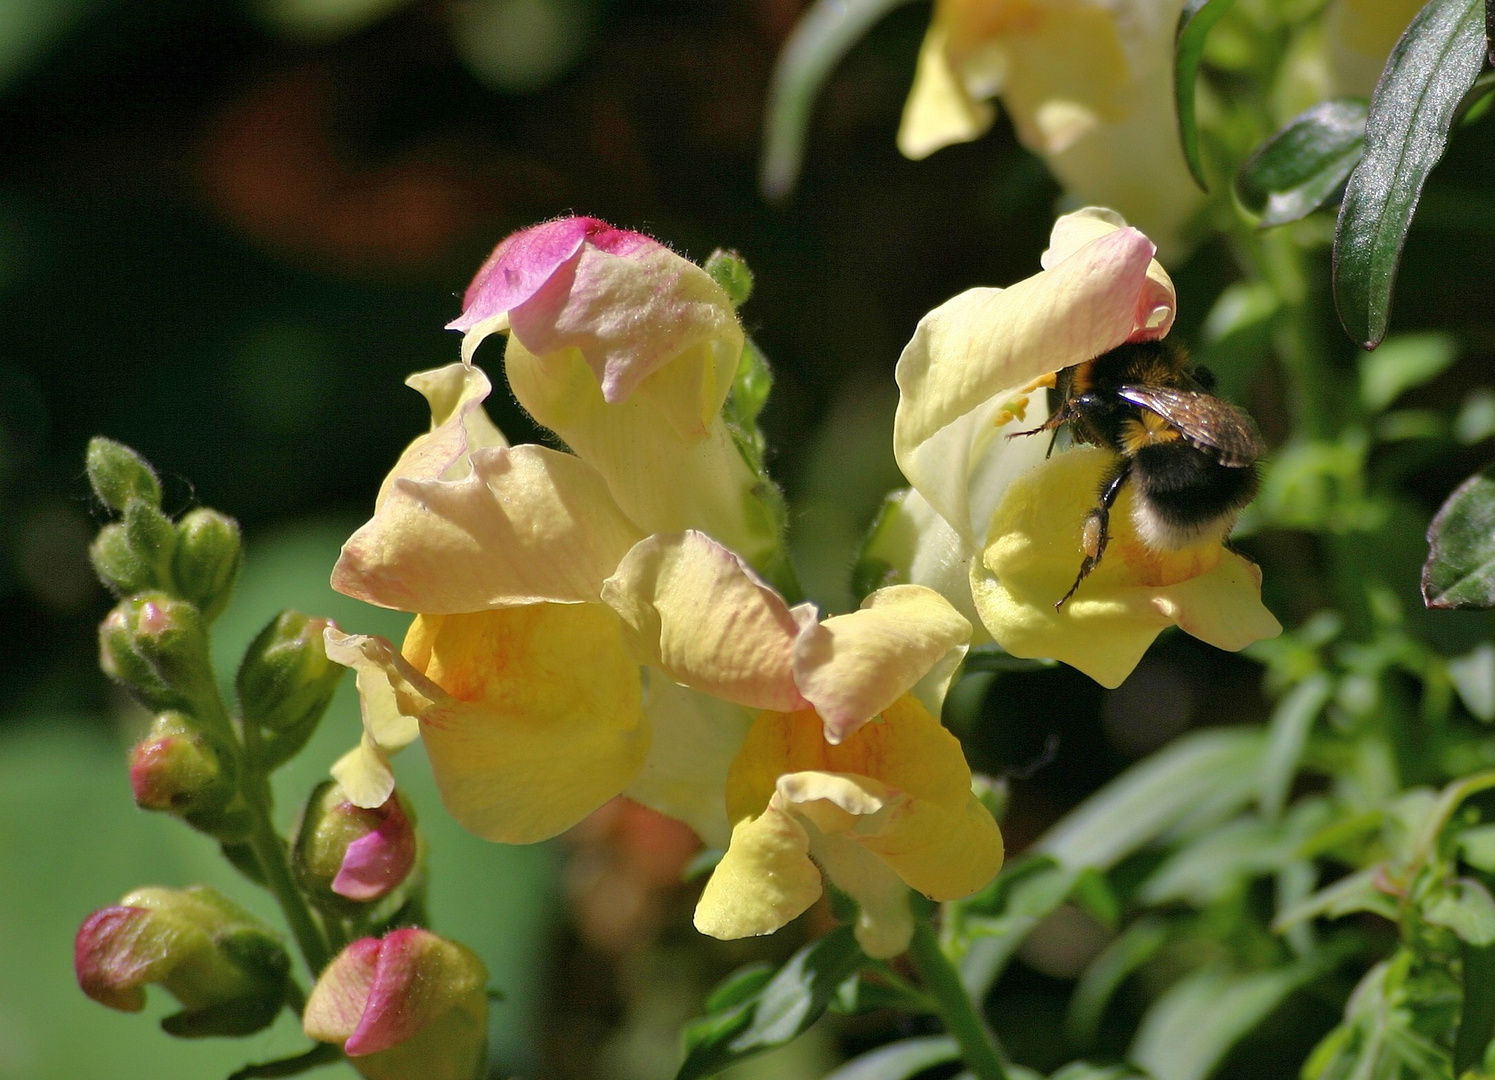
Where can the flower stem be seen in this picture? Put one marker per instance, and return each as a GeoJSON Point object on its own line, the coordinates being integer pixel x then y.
{"type": "Point", "coordinates": [977, 1044]}
{"type": "Point", "coordinates": [274, 859]}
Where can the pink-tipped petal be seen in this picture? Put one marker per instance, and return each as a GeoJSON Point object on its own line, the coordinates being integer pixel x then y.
{"type": "Point", "coordinates": [337, 1003]}
{"type": "Point", "coordinates": [525, 261]}
{"type": "Point", "coordinates": [378, 861]}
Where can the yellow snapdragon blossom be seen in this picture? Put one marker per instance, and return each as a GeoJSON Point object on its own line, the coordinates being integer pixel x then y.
{"type": "Point", "coordinates": [577, 634]}
{"type": "Point", "coordinates": [995, 525]}
{"type": "Point", "coordinates": [1088, 85]}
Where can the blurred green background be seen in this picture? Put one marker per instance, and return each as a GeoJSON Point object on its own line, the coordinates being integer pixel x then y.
{"type": "Point", "coordinates": [228, 230]}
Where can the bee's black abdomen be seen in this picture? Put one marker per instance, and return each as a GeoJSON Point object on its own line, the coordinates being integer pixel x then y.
{"type": "Point", "coordinates": [1187, 492]}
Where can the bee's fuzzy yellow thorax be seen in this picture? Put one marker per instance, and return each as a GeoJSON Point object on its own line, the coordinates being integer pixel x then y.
{"type": "Point", "coordinates": [1150, 430]}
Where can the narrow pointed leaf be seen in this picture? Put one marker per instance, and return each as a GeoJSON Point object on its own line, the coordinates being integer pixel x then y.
{"type": "Point", "coordinates": [899, 1060]}
{"type": "Point", "coordinates": [1430, 70]}
{"type": "Point", "coordinates": [824, 35]}
{"type": "Point", "coordinates": [1303, 166]}
{"type": "Point", "coordinates": [1194, 24]}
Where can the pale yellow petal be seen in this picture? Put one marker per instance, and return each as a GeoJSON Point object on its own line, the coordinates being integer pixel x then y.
{"type": "Point", "coordinates": [391, 696]}
{"type": "Point", "coordinates": [885, 921]}
{"type": "Point", "coordinates": [852, 667]}
{"type": "Point", "coordinates": [900, 787]}
{"type": "Point", "coordinates": [695, 610]}
{"type": "Point", "coordinates": [547, 722]}
{"type": "Point", "coordinates": [662, 481]}
{"type": "Point", "coordinates": [939, 111]}
{"type": "Point", "coordinates": [1136, 165]}
{"type": "Point", "coordinates": [765, 880]}
{"type": "Point", "coordinates": [527, 525]}
{"type": "Point", "coordinates": [695, 738]}
{"type": "Point", "coordinates": [977, 355]}
{"type": "Point", "coordinates": [918, 546]}
{"type": "Point", "coordinates": [459, 425]}
{"type": "Point", "coordinates": [1223, 607]}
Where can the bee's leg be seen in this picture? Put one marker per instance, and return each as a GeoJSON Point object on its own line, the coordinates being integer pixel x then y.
{"type": "Point", "coordinates": [1053, 423]}
{"type": "Point", "coordinates": [1097, 529]}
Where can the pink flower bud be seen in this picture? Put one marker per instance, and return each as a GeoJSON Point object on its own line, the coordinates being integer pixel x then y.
{"type": "Point", "coordinates": [175, 769]}
{"type": "Point", "coordinates": [351, 852]}
{"type": "Point", "coordinates": [227, 970]}
{"type": "Point", "coordinates": [409, 1004]}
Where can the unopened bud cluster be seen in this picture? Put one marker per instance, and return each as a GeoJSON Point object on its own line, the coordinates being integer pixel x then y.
{"type": "Point", "coordinates": [196, 559]}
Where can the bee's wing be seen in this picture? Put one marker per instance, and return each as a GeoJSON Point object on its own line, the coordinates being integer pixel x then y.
{"type": "Point", "coordinates": [1203, 419]}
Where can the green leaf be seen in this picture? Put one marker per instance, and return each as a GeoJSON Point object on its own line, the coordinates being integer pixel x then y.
{"type": "Point", "coordinates": [1430, 70]}
{"type": "Point", "coordinates": [1083, 1070]}
{"type": "Point", "coordinates": [995, 939]}
{"type": "Point", "coordinates": [1194, 24]}
{"type": "Point", "coordinates": [820, 40]}
{"type": "Point", "coordinates": [738, 987]}
{"type": "Point", "coordinates": [1351, 893]}
{"type": "Point", "coordinates": [1403, 362]}
{"type": "Point", "coordinates": [1473, 676]}
{"type": "Point", "coordinates": [1304, 165]}
{"type": "Point", "coordinates": [1468, 910]}
{"type": "Point", "coordinates": [1460, 569]}
{"type": "Point", "coordinates": [1207, 774]}
{"type": "Point", "coordinates": [1189, 1029]}
{"type": "Point", "coordinates": [899, 1060]}
{"type": "Point", "coordinates": [1138, 944]}
{"type": "Point", "coordinates": [1477, 847]}
{"type": "Point", "coordinates": [1286, 736]}
{"type": "Point", "coordinates": [777, 1012]}
{"type": "Point", "coordinates": [1216, 864]}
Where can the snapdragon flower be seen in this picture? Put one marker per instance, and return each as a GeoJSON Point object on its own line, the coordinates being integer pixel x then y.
{"type": "Point", "coordinates": [992, 522]}
{"type": "Point", "coordinates": [584, 628]}
{"type": "Point", "coordinates": [1088, 85]}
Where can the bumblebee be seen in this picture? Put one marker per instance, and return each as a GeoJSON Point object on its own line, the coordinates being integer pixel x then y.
{"type": "Point", "coordinates": [1189, 456]}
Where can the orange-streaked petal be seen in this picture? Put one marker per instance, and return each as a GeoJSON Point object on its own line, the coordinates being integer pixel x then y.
{"type": "Point", "coordinates": [544, 722]}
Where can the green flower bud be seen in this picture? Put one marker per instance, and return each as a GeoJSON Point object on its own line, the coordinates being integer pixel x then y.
{"type": "Point", "coordinates": [156, 646]}
{"type": "Point", "coordinates": [152, 539]}
{"type": "Point", "coordinates": [285, 681]}
{"type": "Point", "coordinates": [179, 770]}
{"type": "Point", "coordinates": [120, 476]}
{"type": "Point", "coordinates": [730, 270]}
{"type": "Point", "coordinates": [207, 560]}
{"type": "Point", "coordinates": [122, 570]}
{"type": "Point", "coordinates": [175, 769]}
{"type": "Point", "coordinates": [347, 856]}
{"type": "Point", "coordinates": [228, 970]}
